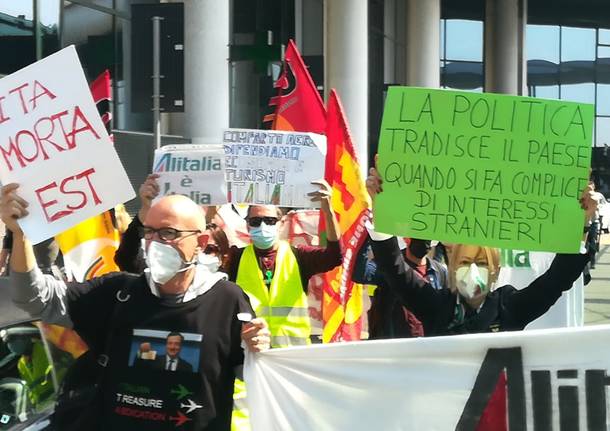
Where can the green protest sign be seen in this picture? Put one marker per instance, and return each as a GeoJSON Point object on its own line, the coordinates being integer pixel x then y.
{"type": "Point", "coordinates": [487, 169]}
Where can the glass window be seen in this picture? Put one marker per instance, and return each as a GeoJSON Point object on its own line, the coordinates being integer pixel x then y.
{"type": "Point", "coordinates": [545, 91]}
{"type": "Point", "coordinates": [442, 35]}
{"type": "Point", "coordinates": [105, 3]}
{"type": "Point", "coordinates": [49, 26]}
{"type": "Point", "coordinates": [542, 43]}
{"type": "Point", "coordinates": [603, 131]}
{"type": "Point", "coordinates": [31, 369]}
{"type": "Point", "coordinates": [16, 35]}
{"type": "Point", "coordinates": [577, 44]}
{"type": "Point", "coordinates": [603, 51]}
{"type": "Point", "coordinates": [464, 40]}
{"type": "Point", "coordinates": [584, 93]}
{"type": "Point", "coordinates": [604, 36]}
{"type": "Point", "coordinates": [603, 99]}
{"type": "Point", "coordinates": [245, 110]}
{"type": "Point", "coordinates": [91, 31]}
{"type": "Point", "coordinates": [463, 75]}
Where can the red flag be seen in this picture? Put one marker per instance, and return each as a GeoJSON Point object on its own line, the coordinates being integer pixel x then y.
{"type": "Point", "coordinates": [298, 105]}
{"type": "Point", "coordinates": [101, 90]}
{"type": "Point", "coordinates": [342, 304]}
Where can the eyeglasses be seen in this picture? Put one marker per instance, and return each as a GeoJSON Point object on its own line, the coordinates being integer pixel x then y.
{"type": "Point", "coordinates": [165, 233]}
{"type": "Point", "coordinates": [256, 221]}
{"type": "Point", "coordinates": [211, 249]}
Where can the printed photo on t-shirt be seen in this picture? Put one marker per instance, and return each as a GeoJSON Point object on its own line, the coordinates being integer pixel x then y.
{"type": "Point", "coordinates": [169, 351]}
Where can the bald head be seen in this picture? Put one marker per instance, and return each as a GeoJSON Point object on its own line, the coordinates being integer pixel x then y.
{"type": "Point", "coordinates": [182, 214]}
{"type": "Point", "coordinates": [176, 211]}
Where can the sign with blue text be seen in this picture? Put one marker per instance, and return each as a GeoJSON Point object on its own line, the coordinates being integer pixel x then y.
{"type": "Point", "coordinates": [269, 167]}
{"type": "Point", "coordinates": [195, 171]}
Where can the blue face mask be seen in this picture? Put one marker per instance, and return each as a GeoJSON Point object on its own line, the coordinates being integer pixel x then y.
{"type": "Point", "coordinates": [263, 236]}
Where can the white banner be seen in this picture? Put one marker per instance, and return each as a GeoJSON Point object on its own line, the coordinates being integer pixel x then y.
{"type": "Point", "coordinates": [55, 146]}
{"type": "Point", "coordinates": [269, 167]}
{"type": "Point", "coordinates": [195, 171]}
{"type": "Point", "coordinates": [534, 380]}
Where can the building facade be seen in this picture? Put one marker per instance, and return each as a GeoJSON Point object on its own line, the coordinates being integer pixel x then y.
{"type": "Point", "coordinates": [558, 49]}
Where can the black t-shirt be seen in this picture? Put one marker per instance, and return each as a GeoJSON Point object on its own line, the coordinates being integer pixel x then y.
{"type": "Point", "coordinates": [143, 389]}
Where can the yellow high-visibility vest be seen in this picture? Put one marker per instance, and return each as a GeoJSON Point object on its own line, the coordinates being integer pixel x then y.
{"type": "Point", "coordinates": [284, 304]}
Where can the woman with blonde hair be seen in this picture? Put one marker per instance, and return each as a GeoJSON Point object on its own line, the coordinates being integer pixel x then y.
{"type": "Point", "coordinates": [471, 306]}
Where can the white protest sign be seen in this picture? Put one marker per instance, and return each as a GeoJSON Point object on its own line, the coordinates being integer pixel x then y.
{"type": "Point", "coordinates": [269, 167]}
{"type": "Point", "coordinates": [55, 146]}
{"type": "Point", "coordinates": [195, 171]}
{"type": "Point", "coordinates": [512, 381]}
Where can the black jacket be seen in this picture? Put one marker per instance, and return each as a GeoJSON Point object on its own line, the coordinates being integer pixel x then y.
{"type": "Point", "coordinates": [144, 317]}
{"type": "Point", "coordinates": [504, 309]}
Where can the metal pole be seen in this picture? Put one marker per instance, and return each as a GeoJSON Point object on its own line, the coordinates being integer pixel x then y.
{"type": "Point", "coordinates": [157, 80]}
{"type": "Point", "coordinates": [37, 30]}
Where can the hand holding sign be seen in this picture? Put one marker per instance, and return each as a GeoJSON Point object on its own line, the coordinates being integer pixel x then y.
{"type": "Point", "coordinates": [149, 190]}
{"type": "Point", "coordinates": [323, 195]}
{"type": "Point", "coordinates": [12, 207]}
{"type": "Point", "coordinates": [589, 203]}
{"type": "Point", "coordinates": [374, 181]}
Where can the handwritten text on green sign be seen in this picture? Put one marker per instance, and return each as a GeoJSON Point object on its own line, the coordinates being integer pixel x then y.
{"type": "Point", "coordinates": [485, 169]}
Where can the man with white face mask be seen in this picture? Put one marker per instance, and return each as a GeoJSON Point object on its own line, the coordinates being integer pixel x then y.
{"type": "Point", "coordinates": [118, 313]}
{"type": "Point", "coordinates": [470, 306]}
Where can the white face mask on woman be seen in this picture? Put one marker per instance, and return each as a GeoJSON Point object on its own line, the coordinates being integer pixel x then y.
{"type": "Point", "coordinates": [164, 261]}
{"type": "Point", "coordinates": [211, 262]}
{"type": "Point", "coordinates": [472, 280]}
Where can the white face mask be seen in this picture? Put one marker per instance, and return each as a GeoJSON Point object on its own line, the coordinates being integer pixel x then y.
{"type": "Point", "coordinates": [209, 261]}
{"type": "Point", "coordinates": [164, 261]}
{"type": "Point", "coordinates": [472, 280]}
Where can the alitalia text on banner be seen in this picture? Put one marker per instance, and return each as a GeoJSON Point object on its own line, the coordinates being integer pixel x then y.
{"type": "Point", "coordinates": [513, 381]}
{"type": "Point", "coordinates": [273, 167]}
{"type": "Point", "coordinates": [55, 146]}
{"type": "Point", "coordinates": [195, 171]}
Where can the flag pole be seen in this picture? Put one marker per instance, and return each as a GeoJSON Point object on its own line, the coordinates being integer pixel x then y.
{"type": "Point", "coordinates": [157, 80]}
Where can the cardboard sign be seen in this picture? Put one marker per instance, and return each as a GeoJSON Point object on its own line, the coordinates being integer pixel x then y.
{"type": "Point", "coordinates": [485, 169]}
{"type": "Point", "coordinates": [55, 146]}
{"type": "Point", "coordinates": [268, 167]}
{"type": "Point", "coordinates": [533, 380]}
{"type": "Point", "coordinates": [195, 171]}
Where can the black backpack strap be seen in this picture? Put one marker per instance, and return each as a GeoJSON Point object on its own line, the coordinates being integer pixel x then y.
{"type": "Point", "coordinates": [122, 297]}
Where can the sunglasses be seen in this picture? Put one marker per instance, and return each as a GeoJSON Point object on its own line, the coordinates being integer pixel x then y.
{"type": "Point", "coordinates": [211, 249]}
{"type": "Point", "coordinates": [256, 221]}
{"type": "Point", "coordinates": [165, 233]}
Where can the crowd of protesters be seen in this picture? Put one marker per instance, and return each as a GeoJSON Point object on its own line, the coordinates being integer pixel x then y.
{"type": "Point", "coordinates": [206, 299]}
